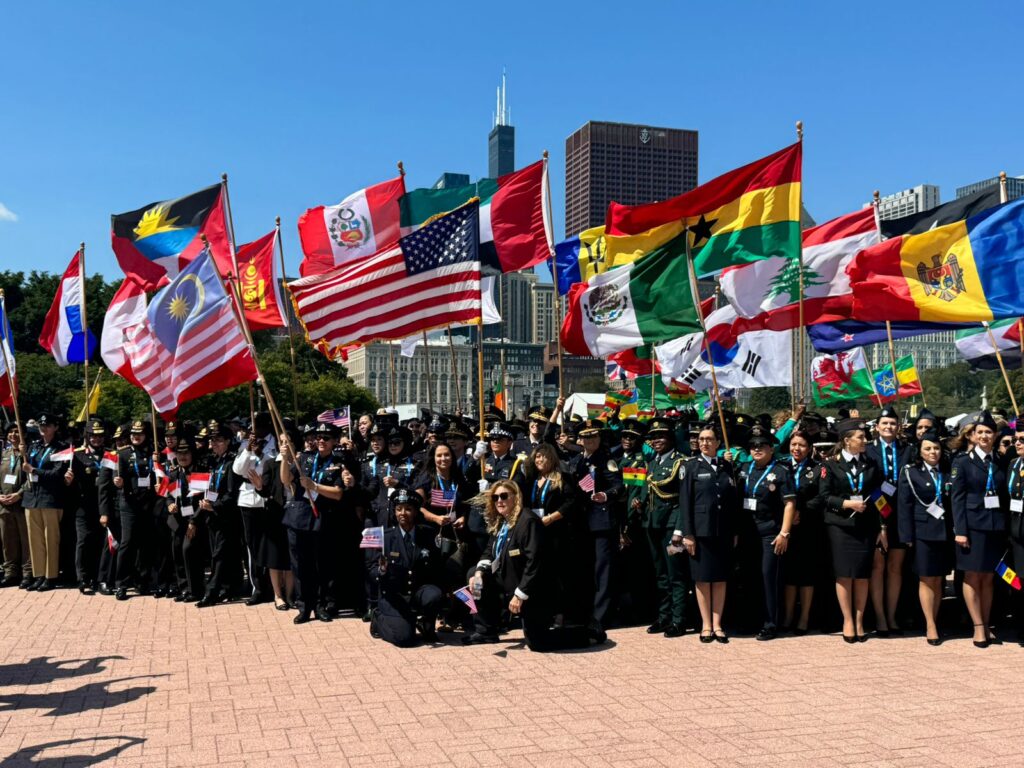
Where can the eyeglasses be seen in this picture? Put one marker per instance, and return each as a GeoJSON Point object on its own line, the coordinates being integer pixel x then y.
{"type": "Point", "coordinates": [705, 439]}
{"type": "Point", "coordinates": [1018, 440]}
{"type": "Point", "coordinates": [324, 438]}
{"type": "Point", "coordinates": [503, 496]}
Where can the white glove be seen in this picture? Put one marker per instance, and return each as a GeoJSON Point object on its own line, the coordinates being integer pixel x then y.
{"type": "Point", "coordinates": [480, 450]}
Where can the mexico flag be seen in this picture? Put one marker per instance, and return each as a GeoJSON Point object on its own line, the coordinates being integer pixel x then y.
{"type": "Point", "coordinates": [365, 222]}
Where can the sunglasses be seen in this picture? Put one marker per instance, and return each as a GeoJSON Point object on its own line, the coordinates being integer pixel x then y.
{"type": "Point", "coordinates": [395, 442]}
{"type": "Point", "coordinates": [503, 496]}
{"type": "Point", "coordinates": [1018, 440]}
{"type": "Point", "coordinates": [325, 438]}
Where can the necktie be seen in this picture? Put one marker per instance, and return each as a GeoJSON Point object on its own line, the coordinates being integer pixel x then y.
{"type": "Point", "coordinates": [502, 537]}
{"type": "Point", "coordinates": [408, 545]}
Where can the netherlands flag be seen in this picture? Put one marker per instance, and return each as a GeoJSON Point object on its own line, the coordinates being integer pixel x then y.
{"type": "Point", "coordinates": [64, 334]}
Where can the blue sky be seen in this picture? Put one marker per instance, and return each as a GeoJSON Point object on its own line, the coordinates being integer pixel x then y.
{"type": "Point", "coordinates": [108, 106]}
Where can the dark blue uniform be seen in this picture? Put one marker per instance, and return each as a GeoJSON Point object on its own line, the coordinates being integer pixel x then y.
{"type": "Point", "coordinates": [407, 576]}
{"type": "Point", "coordinates": [707, 514]}
{"type": "Point", "coordinates": [807, 543]}
{"type": "Point", "coordinates": [852, 535]}
{"type": "Point", "coordinates": [136, 504]}
{"type": "Point", "coordinates": [980, 501]}
{"type": "Point", "coordinates": [891, 458]}
{"type": "Point", "coordinates": [603, 522]}
{"type": "Point", "coordinates": [765, 491]}
{"type": "Point", "coordinates": [924, 518]}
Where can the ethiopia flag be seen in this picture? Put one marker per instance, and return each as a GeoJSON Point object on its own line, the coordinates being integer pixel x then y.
{"type": "Point", "coordinates": [743, 216]}
{"type": "Point", "coordinates": [968, 271]}
{"type": "Point", "coordinates": [514, 230]}
{"type": "Point", "coordinates": [154, 243]}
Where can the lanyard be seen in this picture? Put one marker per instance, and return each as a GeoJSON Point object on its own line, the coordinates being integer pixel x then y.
{"type": "Point", "coordinates": [449, 492]}
{"type": "Point", "coordinates": [316, 463]}
{"type": "Point", "coordinates": [1014, 472]}
{"type": "Point", "coordinates": [768, 469]}
{"type": "Point", "coordinates": [42, 458]}
{"type": "Point", "coordinates": [990, 485]}
{"type": "Point", "coordinates": [858, 487]}
{"type": "Point", "coordinates": [216, 482]}
{"type": "Point", "coordinates": [937, 482]}
{"type": "Point", "coordinates": [885, 460]}
{"type": "Point", "coordinates": [798, 470]}
{"type": "Point", "coordinates": [13, 457]}
{"type": "Point", "coordinates": [543, 492]}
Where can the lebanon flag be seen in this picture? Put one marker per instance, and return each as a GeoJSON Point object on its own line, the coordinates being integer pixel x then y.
{"type": "Point", "coordinates": [365, 222]}
{"type": "Point", "coordinates": [768, 294]}
{"type": "Point", "coordinates": [126, 311]}
{"type": "Point", "coordinates": [257, 280]}
{"type": "Point", "coordinates": [64, 334]}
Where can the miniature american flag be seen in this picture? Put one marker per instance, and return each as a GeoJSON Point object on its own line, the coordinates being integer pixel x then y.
{"type": "Point", "coordinates": [587, 483]}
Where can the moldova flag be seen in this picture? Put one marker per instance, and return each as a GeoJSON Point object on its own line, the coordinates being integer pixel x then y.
{"type": "Point", "coordinates": [1007, 574]}
{"type": "Point", "coordinates": [154, 243]}
{"type": "Point", "coordinates": [968, 271]}
{"type": "Point", "coordinates": [880, 503]}
{"type": "Point", "coordinates": [64, 334]}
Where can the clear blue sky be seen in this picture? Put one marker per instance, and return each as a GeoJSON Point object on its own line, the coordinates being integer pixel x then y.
{"type": "Point", "coordinates": [108, 106]}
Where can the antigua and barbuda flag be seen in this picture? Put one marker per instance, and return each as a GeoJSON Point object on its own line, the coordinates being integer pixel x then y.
{"type": "Point", "coordinates": [64, 334]}
{"type": "Point", "coordinates": [156, 242]}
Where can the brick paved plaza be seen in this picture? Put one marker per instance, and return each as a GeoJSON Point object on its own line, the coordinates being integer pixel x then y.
{"type": "Point", "coordinates": [165, 684]}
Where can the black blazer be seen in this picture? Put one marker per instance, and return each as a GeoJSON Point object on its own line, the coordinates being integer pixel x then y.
{"type": "Point", "coordinates": [915, 524]}
{"type": "Point", "coordinates": [565, 500]}
{"type": "Point", "coordinates": [834, 488]}
{"type": "Point", "coordinates": [607, 479]}
{"type": "Point", "coordinates": [521, 563]}
{"type": "Point", "coordinates": [708, 500]}
{"type": "Point", "coordinates": [969, 479]}
{"type": "Point", "coordinates": [904, 457]}
{"type": "Point", "coordinates": [404, 573]}
{"type": "Point", "coordinates": [808, 503]}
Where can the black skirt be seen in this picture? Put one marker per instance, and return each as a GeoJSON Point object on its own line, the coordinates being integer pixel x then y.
{"type": "Point", "coordinates": [852, 551]}
{"type": "Point", "coordinates": [986, 550]}
{"type": "Point", "coordinates": [805, 555]}
{"type": "Point", "coordinates": [712, 560]}
{"type": "Point", "coordinates": [933, 558]}
{"type": "Point", "coordinates": [273, 546]}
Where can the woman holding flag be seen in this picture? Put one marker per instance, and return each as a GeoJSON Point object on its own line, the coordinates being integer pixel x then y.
{"type": "Point", "coordinates": [190, 545]}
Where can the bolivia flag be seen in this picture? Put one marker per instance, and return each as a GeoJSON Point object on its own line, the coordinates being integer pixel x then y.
{"type": "Point", "coordinates": [1007, 574]}
{"type": "Point", "coordinates": [362, 224]}
{"type": "Point", "coordinates": [906, 377]}
{"type": "Point", "coordinates": [968, 271]}
{"type": "Point", "coordinates": [64, 334]}
{"type": "Point", "coordinates": [634, 475]}
{"type": "Point", "coordinates": [743, 216]}
{"type": "Point", "coordinates": [513, 220]}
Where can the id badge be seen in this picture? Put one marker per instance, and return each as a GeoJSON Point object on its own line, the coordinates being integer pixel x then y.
{"type": "Point", "coordinates": [888, 488]}
{"type": "Point", "coordinates": [143, 482]}
{"type": "Point", "coordinates": [538, 511]}
{"type": "Point", "coordinates": [211, 496]}
{"type": "Point", "coordinates": [10, 479]}
{"type": "Point", "coordinates": [750, 504]}
{"type": "Point", "coordinates": [936, 510]}
{"type": "Point", "coordinates": [857, 498]}
{"type": "Point", "coordinates": [1017, 505]}
{"type": "Point", "coordinates": [186, 508]}
{"type": "Point", "coordinates": [33, 477]}
{"type": "Point", "coordinates": [991, 502]}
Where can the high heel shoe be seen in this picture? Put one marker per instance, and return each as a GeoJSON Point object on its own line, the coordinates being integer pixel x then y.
{"type": "Point", "coordinates": [707, 636]}
{"type": "Point", "coordinates": [934, 642]}
{"type": "Point", "coordinates": [981, 643]}
{"type": "Point", "coordinates": [850, 639]}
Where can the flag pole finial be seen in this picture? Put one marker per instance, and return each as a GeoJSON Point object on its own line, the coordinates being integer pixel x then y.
{"type": "Point", "coordinates": [81, 245]}
{"type": "Point", "coordinates": [544, 154]}
{"type": "Point", "coordinates": [799, 130]}
{"type": "Point", "coordinates": [876, 195]}
{"type": "Point", "coordinates": [401, 168]}
{"type": "Point", "coordinates": [224, 178]}
{"type": "Point", "coordinates": [277, 221]}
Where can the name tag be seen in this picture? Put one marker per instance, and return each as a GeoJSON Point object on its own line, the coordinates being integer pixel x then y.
{"type": "Point", "coordinates": [539, 511]}
{"type": "Point", "coordinates": [186, 508]}
{"type": "Point", "coordinates": [936, 511]}
{"type": "Point", "coordinates": [34, 477]}
{"type": "Point", "coordinates": [991, 502]}
{"type": "Point", "coordinates": [10, 479]}
{"type": "Point", "coordinates": [143, 482]}
{"type": "Point", "coordinates": [211, 496]}
{"type": "Point", "coordinates": [750, 504]}
{"type": "Point", "coordinates": [1017, 505]}
{"type": "Point", "coordinates": [888, 488]}
{"type": "Point", "coordinates": [514, 553]}
{"type": "Point", "coordinates": [856, 498]}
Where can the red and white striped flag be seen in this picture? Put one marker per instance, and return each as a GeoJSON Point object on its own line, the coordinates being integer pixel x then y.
{"type": "Point", "coordinates": [373, 538]}
{"type": "Point", "coordinates": [338, 417]}
{"type": "Point", "coordinates": [109, 460]}
{"type": "Point", "coordinates": [198, 482]}
{"type": "Point", "coordinates": [431, 279]}
{"type": "Point", "coordinates": [111, 542]}
{"type": "Point", "coordinates": [587, 483]}
{"type": "Point", "coordinates": [441, 498]}
{"type": "Point", "coordinates": [61, 456]}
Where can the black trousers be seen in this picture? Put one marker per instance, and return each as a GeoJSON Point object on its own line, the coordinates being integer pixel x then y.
{"type": "Point", "coordinates": [395, 618]}
{"type": "Point", "coordinates": [307, 552]}
{"type": "Point", "coordinates": [163, 543]}
{"type": "Point", "coordinates": [87, 546]}
{"type": "Point", "coordinates": [194, 553]}
{"type": "Point", "coordinates": [771, 578]}
{"type": "Point", "coordinates": [225, 559]}
{"type": "Point", "coordinates": [606, 544]}
{"type": "Point", "coordinates": [107, 559]}
{"type": "Point", "coordinates": [178, 580]}
{"type": "Point", "coordinates": [252, 535]}
{"type": "Point", "coordinates": [135, 553]}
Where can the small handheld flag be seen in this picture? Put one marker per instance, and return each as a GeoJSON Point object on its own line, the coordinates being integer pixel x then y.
{"type": "Point", "coordinates": [61, 456]}
{"type": "Point", "coordinates": [111, 542]}
{"type": "Point", "coordinates": [109, 460]}
{"type": "Point", "coordinates": [634, 475]}
{"type": "Point", "coordinates": [338, 417]}
{"type": "Point", "coordinates": [465, 596]}
{"type": "Point", "coordinates": [373, 538]}
{"type": "Point", "coordinates": [880, 503]}
{"type": "Point", "coordinates": [587, 483]}
{"type": "Point", "coordinates": [1007, 574]}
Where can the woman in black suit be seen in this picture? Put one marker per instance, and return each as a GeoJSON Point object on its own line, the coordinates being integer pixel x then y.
{"type": "Point", "coordinates": [854, 526]}
{"type": "Point", "coordinates": [804, 557]}
{"type": "Point", "coordinates": [926, 525]}
{"type": "Point", "coordinates": [980, 502]}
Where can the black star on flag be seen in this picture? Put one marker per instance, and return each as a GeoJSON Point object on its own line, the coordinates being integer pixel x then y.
{"type": "Point", "coordinates": [702, 230]}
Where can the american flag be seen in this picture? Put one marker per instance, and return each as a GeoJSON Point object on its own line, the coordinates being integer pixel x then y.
{"type": "Point", "coordinates": [431, 279]}
{"type": "Point", "coordinates": [587, 483]}
{"type": "Point", "coordinates": [440, 498]}
{"type": "Point", "coordinates": [464, 595]}
{"type": "Point", "coordinates": [190, 343]}
{"type": "Point", "coordinates": [373, 538]}
{"type": "Point", "coordinates": [339, 417]}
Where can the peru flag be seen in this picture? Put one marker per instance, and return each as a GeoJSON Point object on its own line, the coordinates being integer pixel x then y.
{"type": "Point", "coordinates": [365, 222]}
{"type": "Point", "coordinates": [64, 334]}
{"type": "Point", "coordinates": [127, 310]}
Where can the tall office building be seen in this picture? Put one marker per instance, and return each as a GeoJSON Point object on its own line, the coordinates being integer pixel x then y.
{"type": "Point", "coordinates": [1014, 187]}
{"type": "Point", "coordinates": [447, 180]}
{"type": "Point", "coordinates": [908, 201]}
{"type": "Point", "coordinates": [501, 142]}
{"type": "Point", "coordinates": [513, 296]}
{"type": "Point", "coordinates": [544, 328]}
{"type": "Point", "coordinates": [630, 164]}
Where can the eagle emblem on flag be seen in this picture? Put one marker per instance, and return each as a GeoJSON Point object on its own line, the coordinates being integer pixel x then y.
{"type": "Point", "coordinates": [944, 279]}
{"type": "Point", "coordinates": [604, 305]}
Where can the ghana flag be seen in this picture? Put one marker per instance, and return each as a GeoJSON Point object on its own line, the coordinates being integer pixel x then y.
{"type": "Point", "coordinates": [746, 215]}
{"type": "Point", "coordinates": [154, 243]}
{"type": "Point", "coordinates": [634, 475]}
{"type": "Point", "coordinates": [968, 271]}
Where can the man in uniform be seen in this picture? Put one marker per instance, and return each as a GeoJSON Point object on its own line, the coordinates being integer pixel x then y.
{"type": "Point", "coordinates": [92, 485]}
{"type": "Point", "coordinates": [219, 510]}
{"type": "Point", "coordinates": [136, 502]}
{"type": "Point", "coordinates": [13, 526]}
{"type": "Point", "coordinates": [600, 479]}
{"type": "Point", "coordinates": [540, 429]}
{"type": "Point", "coordinates": [406, 576]}
{"type": "Point", "coordinates": [43, 500]}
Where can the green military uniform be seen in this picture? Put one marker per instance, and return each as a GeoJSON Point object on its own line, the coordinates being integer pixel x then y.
{"type": "Point", "coordinates": [13, 526]}
{"type": "Point", "coordinates": [661, 506]}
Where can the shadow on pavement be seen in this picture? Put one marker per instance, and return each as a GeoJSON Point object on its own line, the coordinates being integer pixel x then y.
{"type": "Point", "coordinates": [43, 669]}
{"type": "Point", "coordinates": [32, 756]}
{"type": "Point", "coordinates": [82, 699]}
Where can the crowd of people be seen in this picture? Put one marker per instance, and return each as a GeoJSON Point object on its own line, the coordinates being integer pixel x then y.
{"type": "Point", "coordinates": [561, 525]}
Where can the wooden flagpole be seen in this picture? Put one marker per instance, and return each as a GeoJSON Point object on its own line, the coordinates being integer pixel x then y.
{"type": "Point", "coordinates": [1002, 368]}
{"type": "Point", "coordinates": [556, 297]}
{"type": "Point", "coordinates": [480, 374]}
{"type": "Point", "coordinates": [871, 375]}
{"type": "Point", "coordinates": [924, 399]}
{"type": "Point", "coordinates": [802, 374]}
{"type": "Point", "coordinates": [10, 374]}
{"type": "Point", "coordinates": [455, 371]}
{"type": "Point", "coordinates": [288, 321]}
{"type": "Point", "coordinates": [85, 327]}
{"type": "Point", "coordinates": [391, 373]}
{"type": "Point", "coordinates": [430, 383]}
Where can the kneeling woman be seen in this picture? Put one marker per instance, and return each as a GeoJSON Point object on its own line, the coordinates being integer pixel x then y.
{"type": "Point", "coordinates": [926, 526]}
{"type": "Point", "coordinates": [514, 573]}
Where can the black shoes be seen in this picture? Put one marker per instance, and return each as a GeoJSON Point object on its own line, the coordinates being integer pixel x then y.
{"type": "Point", "coordinates": [302, 618]}
{"type": "Point", "coordinates": [936, 642]}
{"type": "Point", "coordinates": [207, 601]}
{"type": "Point", "coordinates": [707, 636]}
{"type": "Point", "coordinates": [86, 588]}
{"type": "Point", "coordinates": [767, 633]}
{"type": "Point", "coordinates": [322, 614]}
{"type": "Point", "coordinates": [121, 593]}
{"type": "Point", "coordinates": [675, 630]}
{"type": "Point", "coordinates": [46, 585]}
{"type": "Point", "coordinates": [10, 581]}
{"type": "Point", "coordinates": [721, 637]}
{"type": "Point", "coordinates": [26, 583]}
{"type": "Point", "coordinates": [659, 626]}
{"type": "Point", "coordinates": [428, 630]}
{"type": "Point", "coordinates": [36, 584]}
{"type": "Point", "coordinates": [477, 639]}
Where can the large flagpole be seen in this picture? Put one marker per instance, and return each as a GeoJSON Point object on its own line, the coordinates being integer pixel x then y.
{"type": "Point", "coordinates": [455, 370]}
{"type": "Point", "coordinates": [920, 381]}
{"type": "Point", "coordinates": [1002, 368]}
{"type": "Point", "coordinates": [7, 367]}
{"type": "Point", "coordinates": [556, 296]}
{"type": "Point", "coordinates": [288, 322]}
{"type": "Point", "coordinates": [800, 264]}
{"type": "Point", "coordinates": [871, 375]}
{"type": "Point", "coordinates": [85, 326]}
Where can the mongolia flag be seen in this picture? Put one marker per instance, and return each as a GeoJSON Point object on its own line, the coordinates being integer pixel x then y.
{"type": "Point", "coordinates": [64, 334]}
{"type": "Point", "coordinates": [6, 395]}
{"type": "Point", "coordinates": [127, 310]}
{"type": "Point", "coordinates": [365, 222]}
{"type": "Point", "coordinates": [154, 243]}
{"type": "Point", "coordinates": [257, 280]}
{"type": "Point", "coordinates": [968, 271]}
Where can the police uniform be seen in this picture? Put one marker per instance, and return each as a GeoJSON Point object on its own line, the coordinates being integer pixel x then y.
{"type": "Point", "coordinates": [890, 458]}
{"type": "Point", "coordinates": [13, 525]}
{"type": "Point", "coordinates": [93, 485]}
{"type": "Point", "coordinates": [661, 507]}
{"type": "Point", "coordinates": [706, 512]}
{"type": "Point", "coordinates": [807, 542]}
{"type": "Point", "coordinates": [406, 575]}
{"type": "Point", "coordinates": [980, 502]}
{"type": "Point", "coordinates": [548, 432]}
{"type": "Point", "coordinates": [43, 501]}
{"type": "Point", "coordinates": [924, 517]}
{"type": "Point", "coordinates": [136, 503]}
{"type": "Point", "coordinates": [491, 469]}
{"type": "Point", "coordinates": [195, 544]}
{"type": "Point", "coordinates": [222, 522]}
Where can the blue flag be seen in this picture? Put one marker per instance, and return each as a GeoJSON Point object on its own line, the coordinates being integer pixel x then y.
{"type": "Point", "coordinates": [194, 296]}
{"type": "Point", "coordinates": [847, 334]}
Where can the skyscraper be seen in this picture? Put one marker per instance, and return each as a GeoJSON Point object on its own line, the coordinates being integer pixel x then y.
{"type": "Point", "coordinates": [501, 142]}
{"type": "Point", "coordinates": [630, 164]}
{"type": "Point", "coordinates": [1014, 187]}
{"type": "Point", "coordinates": [908, 201]}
